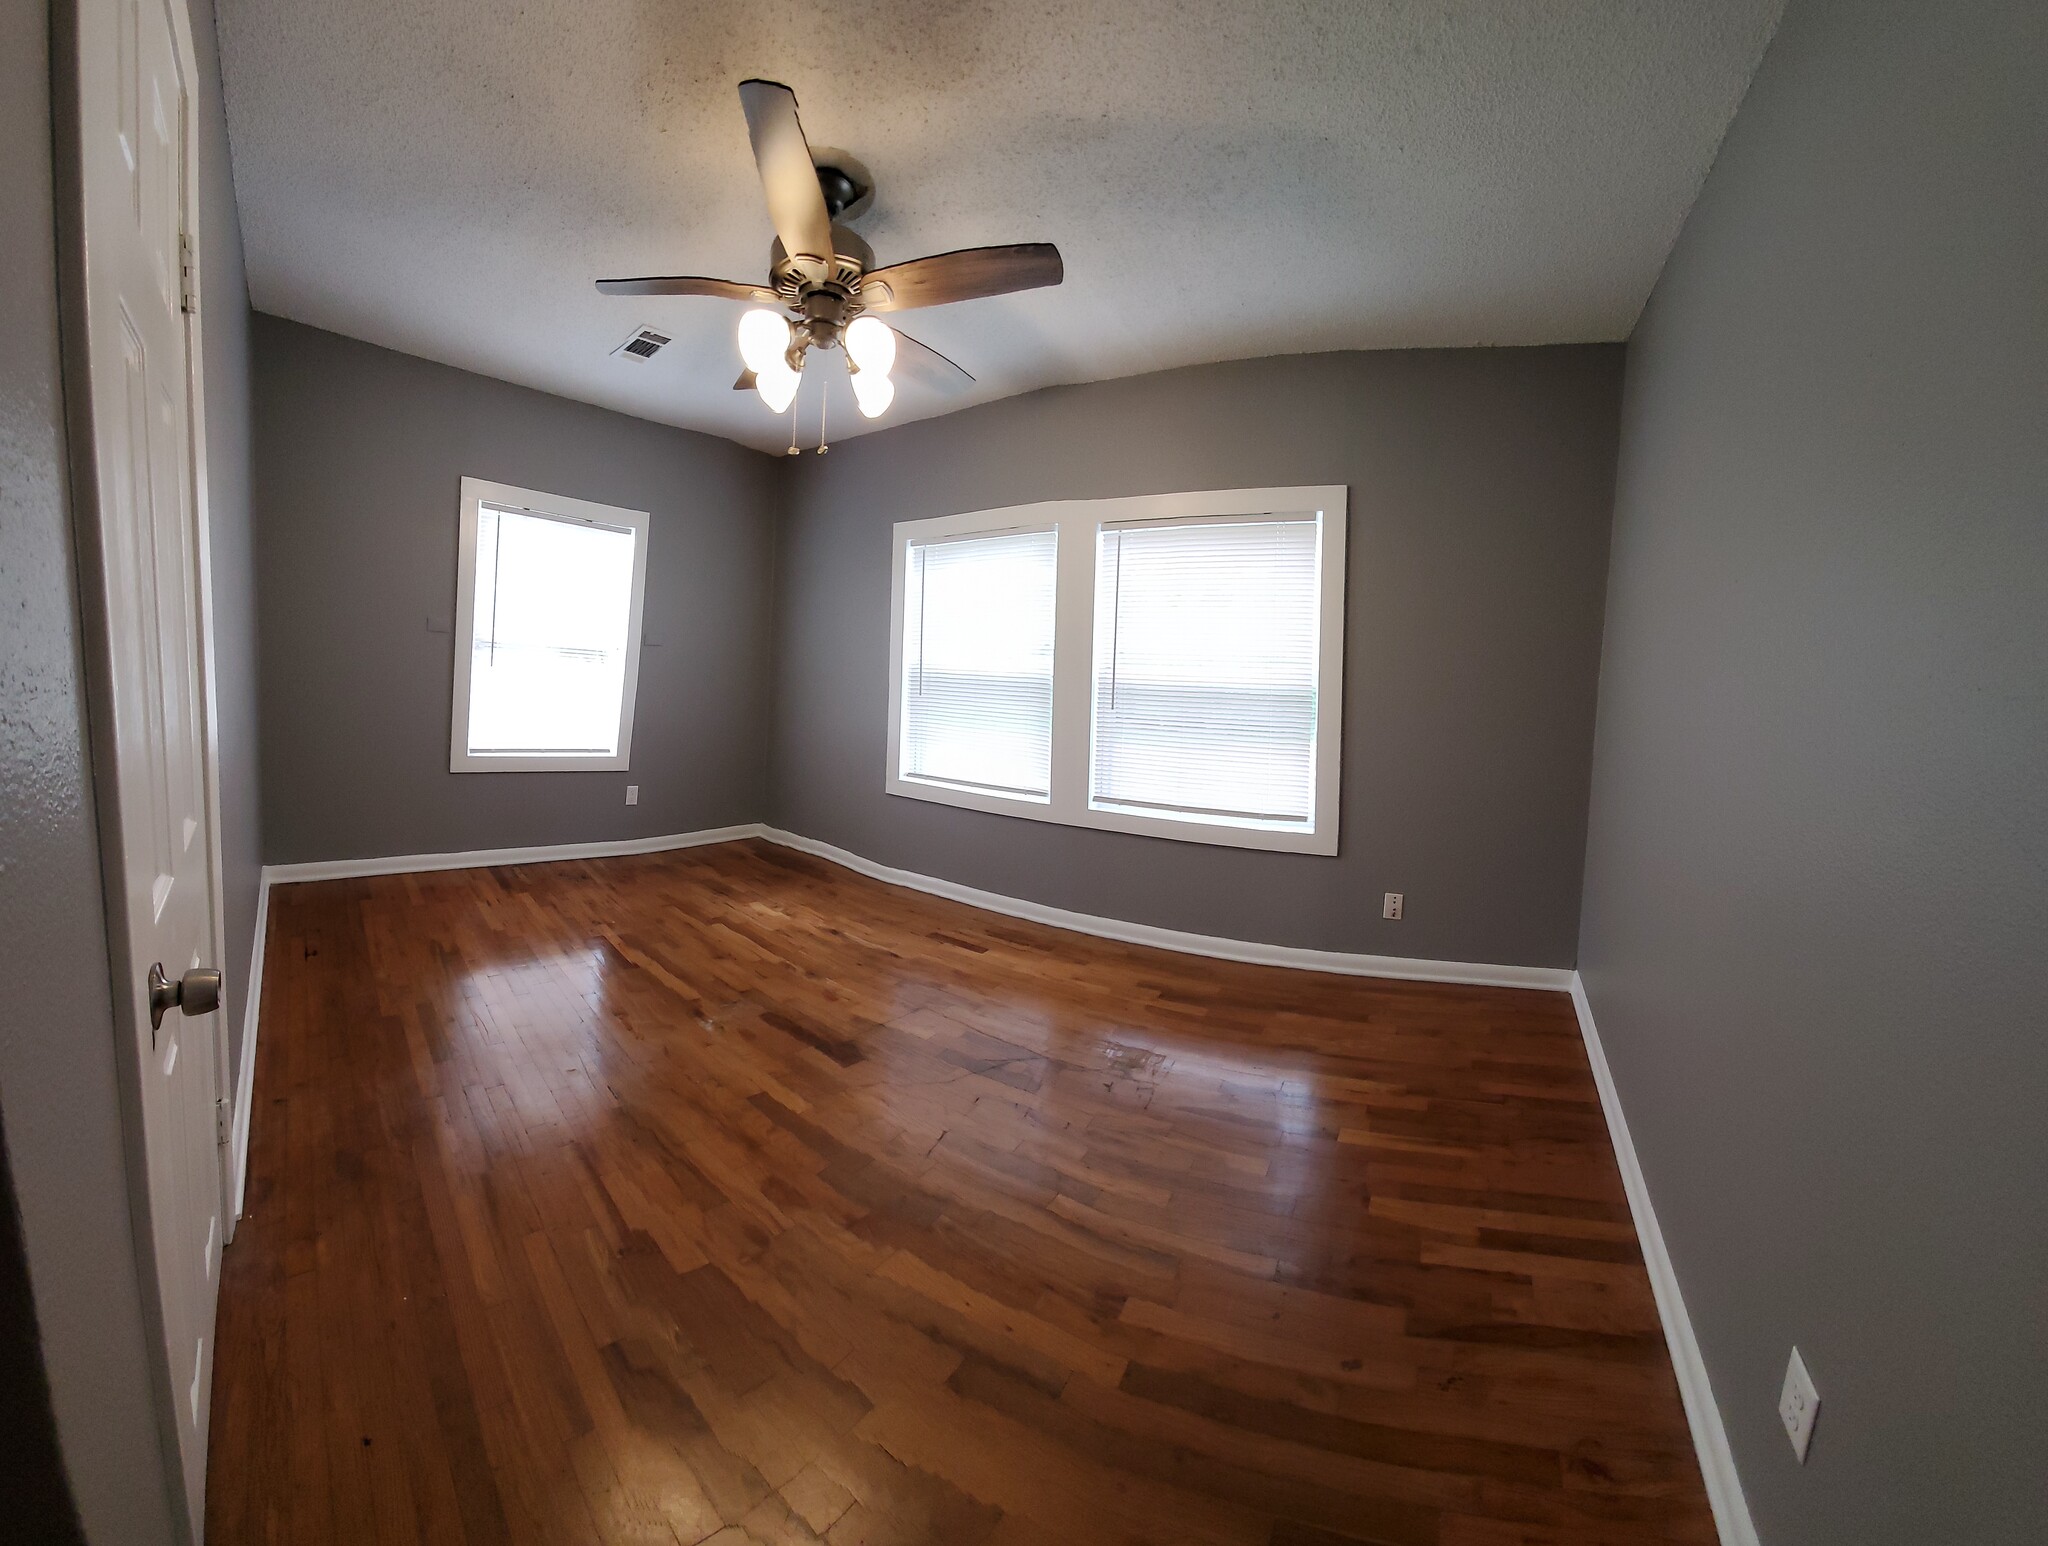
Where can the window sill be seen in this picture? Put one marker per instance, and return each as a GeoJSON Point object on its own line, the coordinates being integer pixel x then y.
{"type": "Point", "coordinates": [1216, 832]}
{"type": "Point", "coordinates": [484, 762]}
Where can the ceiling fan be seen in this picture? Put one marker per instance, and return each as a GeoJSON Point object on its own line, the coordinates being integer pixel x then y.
{"type": "Point", "coordinates": [824, 276]}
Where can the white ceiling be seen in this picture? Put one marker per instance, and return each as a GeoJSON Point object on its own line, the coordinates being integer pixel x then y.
{"type": "Point", "coordinates": [447, 177]}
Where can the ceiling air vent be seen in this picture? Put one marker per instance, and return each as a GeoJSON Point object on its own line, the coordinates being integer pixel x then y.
{"type": "Point", "coordinates": [643, 345]}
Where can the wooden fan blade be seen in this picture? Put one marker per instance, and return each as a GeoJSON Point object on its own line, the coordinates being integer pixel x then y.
{"type": "Point", "coordinates": [746, 382]}
{"type": "Point", "coordinates": [966, 275]}
{"type": "Point", "coordinates": [796, 207]}
{"type": "Point", "coordinates": [688, 284]}
{"type": "Point", "coordinates": [924, 365]}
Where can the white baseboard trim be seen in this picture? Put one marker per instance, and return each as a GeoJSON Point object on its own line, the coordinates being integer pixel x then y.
{"type": "Point", "coordinates": [1709, 1437]}
{"type": "Point", "coordinates": [491, 858]}
{"type": "Point", "coordinates": [1342, 962]}
{"type": "Point", "coordinates": [245, 1076]}
{"type": "Point", "coordinates": [1480, 974]}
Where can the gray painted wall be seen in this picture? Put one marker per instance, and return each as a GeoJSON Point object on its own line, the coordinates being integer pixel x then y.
{"type": "Point", "coordinates": [224, 332]}
{"type": "Point", "coordinates": [1480, 490]}
{"type": "Point", "coordinates": [1818, 875]}
{"type": "Point", "coordinates": [360, 454]}
{"type": "Point", "coordinates": [32, 1480]}
{"type": "Point", "coordinates": [59, 1085]}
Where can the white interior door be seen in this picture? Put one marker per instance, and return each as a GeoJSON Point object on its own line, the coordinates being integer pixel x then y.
{"type": "Point", "coordinates": [134, 97]}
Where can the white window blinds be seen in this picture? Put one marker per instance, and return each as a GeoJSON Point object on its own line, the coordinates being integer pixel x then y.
{"type": "Point", "coordinates": [977, 662]}
{"type": "Point", "coordinates": [1205, 670]}
{"type": "Point", "coordinates": [549, 624]}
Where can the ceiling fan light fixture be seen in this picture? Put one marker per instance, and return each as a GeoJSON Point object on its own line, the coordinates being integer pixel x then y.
{"type": "Point", "coordinates": [824, 275]}
{"type": "Point", "coordinates": [764, 342]}
{"type": "Point", "coordinates": [873, 391]}
{"type": "Point", "coordinates": [871, 345]}
{"type": "Point", "coordinates": [777, 384]}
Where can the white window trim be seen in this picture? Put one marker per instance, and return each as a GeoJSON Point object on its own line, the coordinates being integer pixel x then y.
{"type": "Point", "coordinates": [477, 492]}
{"type": "Point", "coordinates": [1077, 522]}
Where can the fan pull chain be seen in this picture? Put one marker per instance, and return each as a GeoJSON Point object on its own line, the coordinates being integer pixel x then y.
{"type": "Point", "coordinates": [824, 392]}
{"type": "Point", "coordinates": [793, 451]}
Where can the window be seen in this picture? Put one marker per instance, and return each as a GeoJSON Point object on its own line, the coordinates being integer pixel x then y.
{"type": "Point", "coordinates": [1170, 664]}
{"type": "Point", "coordinates": [547, 631]}
{"type": "Point", "coordinates": [1205, 670]}
{"type": "Point", "coordinates": [977, 662]}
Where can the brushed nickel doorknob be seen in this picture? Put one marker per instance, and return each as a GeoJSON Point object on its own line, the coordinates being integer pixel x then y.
{"type": "Point", "coordinates": [196, 993]}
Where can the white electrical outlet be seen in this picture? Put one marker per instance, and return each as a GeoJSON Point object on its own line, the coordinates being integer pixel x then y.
{"type": "Point", "coordinates": [1391, 908]}
{"type": "Point", "coordinates": [1797, 1404]}
{"type": "Point", "coordinates": [632, 794]}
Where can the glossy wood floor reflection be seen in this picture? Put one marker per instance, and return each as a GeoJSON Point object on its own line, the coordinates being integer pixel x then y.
{"type": "Point", "coordinates": [728, 1196]}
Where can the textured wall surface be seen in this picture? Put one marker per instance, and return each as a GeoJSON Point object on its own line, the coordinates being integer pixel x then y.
{"type": "Point", "coordinates": [1480, 490]}
{"type": "Point", "coordinates": [1226, 179]}
{"type": "Point", "coordinates": [1816, 894]}
{"type": "Point", "coordinates": [360, 455]}
{"type": "Point", "coordinates": [59, 1085]}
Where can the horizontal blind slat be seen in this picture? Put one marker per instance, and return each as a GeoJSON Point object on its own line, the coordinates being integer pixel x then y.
{"type": "Point", "coordinates": [1206, 669]}
{"type": "Point", "coordinates": [977, 662]}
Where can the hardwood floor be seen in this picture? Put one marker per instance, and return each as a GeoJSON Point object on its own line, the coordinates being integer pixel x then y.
{"type": "Point", "coordinates": [729, 1196]}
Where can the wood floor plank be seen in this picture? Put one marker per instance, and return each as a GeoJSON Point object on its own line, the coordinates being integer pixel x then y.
{"type": "Point", "coordinates": [726, 1196]}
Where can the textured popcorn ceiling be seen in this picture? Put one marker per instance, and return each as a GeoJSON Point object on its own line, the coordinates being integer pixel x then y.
{"type": "Point", "coordinates": [446, 177]}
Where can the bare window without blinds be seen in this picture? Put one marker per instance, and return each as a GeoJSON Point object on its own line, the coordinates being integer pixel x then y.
{"type": "Point", "coordinates": [547, 631]}
{"type": "Point", "coordinates": [548, 656]}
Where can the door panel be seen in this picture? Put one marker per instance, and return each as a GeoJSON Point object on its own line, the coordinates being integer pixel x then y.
{"type": "Point", "coordinates": [134, 101]}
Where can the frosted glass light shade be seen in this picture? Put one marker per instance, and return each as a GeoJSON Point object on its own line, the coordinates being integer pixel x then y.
{"type": "Point", "coordinates": [871, 344]}
{"type": "Point", "coordinates": [764, 341]}
{"type": "Point", "coordinates": [873, 391]}
{"type": "Point", "coordinates": [777, 385]}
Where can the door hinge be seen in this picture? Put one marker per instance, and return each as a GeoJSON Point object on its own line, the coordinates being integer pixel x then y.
{"type": "Point", "coordinates": [188, 293]}
{"type": "Point", "coordinates": [220, 1121]}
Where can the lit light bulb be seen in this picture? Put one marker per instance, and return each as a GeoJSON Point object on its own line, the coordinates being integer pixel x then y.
{"type": "Point", "coordinates": [764, 341]}
{"type": "Point", "coordinates": [777, 384]}
{"type": "Point", "coordinates": [871, 344]}
{"type": "Point", "coordinates": [873, 391]}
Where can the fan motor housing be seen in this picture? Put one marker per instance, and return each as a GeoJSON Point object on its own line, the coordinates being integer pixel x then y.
{"type": "Point", "coordinates": [826, 313]}
{"type": "Point", "coordinates": [794, 282]}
